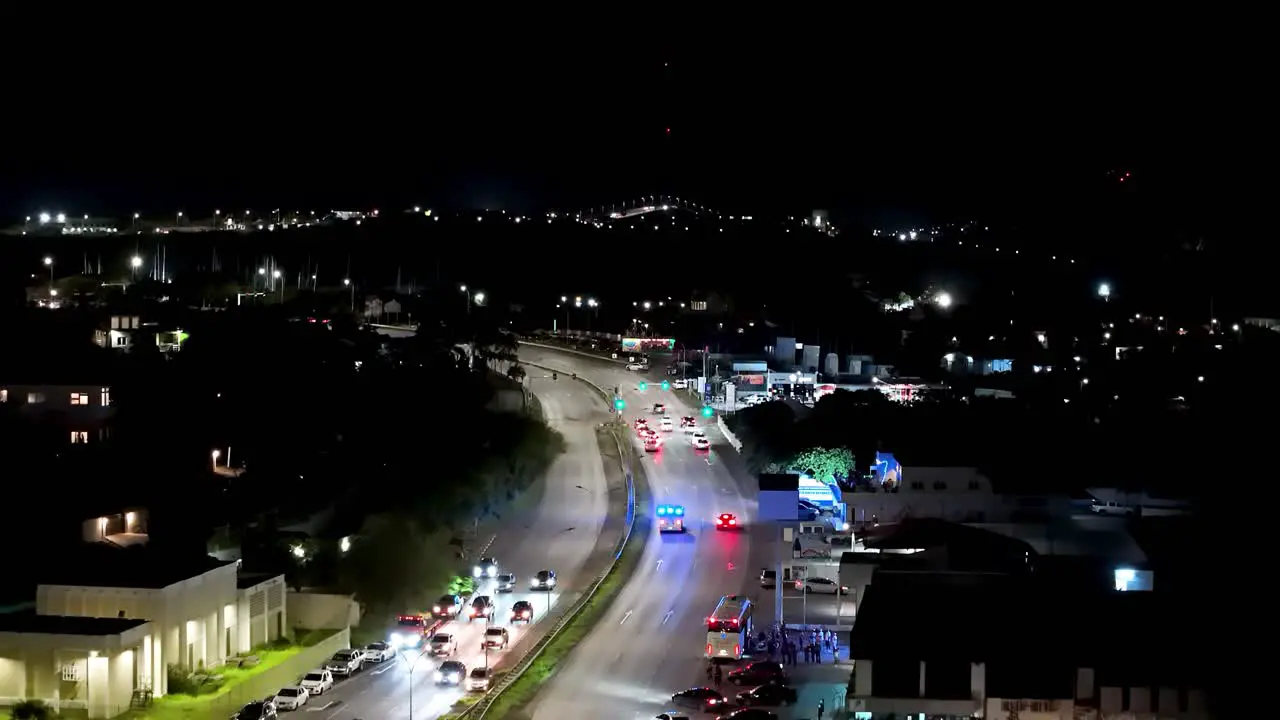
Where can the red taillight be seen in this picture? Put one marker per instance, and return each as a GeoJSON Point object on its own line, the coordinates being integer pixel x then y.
{"type": "Point", "coordinates": [737, 650]}
{"type": "Point", "coordinates": [708, 648]}
{"type": "Point", "coordinates": [734, 621]}
{"type": "Point", "coordinates": [711, 621]}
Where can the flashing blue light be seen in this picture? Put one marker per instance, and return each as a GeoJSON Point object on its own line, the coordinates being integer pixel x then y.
{"type": "Point", "coordinates": [662, 510]}
{"type": "Point", "coordinates": [679, 511]}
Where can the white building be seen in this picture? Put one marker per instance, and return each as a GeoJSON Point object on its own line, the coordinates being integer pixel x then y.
{"type": "Point", "coordinates": [942, 647]}
{"type": "Point", "coordinates": [109, 621]}
{"type": "Point", "coordinates": [118, 332]}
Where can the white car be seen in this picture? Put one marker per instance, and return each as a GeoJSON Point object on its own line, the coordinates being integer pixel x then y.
{"type": "Point", "coordinates": [665, 425]}
{"type": "Point", "coordinates": [478, 679]}
{"type": "Point", "coordinates": [637, 366]}
{"type": "Point", "coordinates": [378, 652]}
{"type": "Point", "coordinates": [701, 442]}
{"type": "Point", "coordinates": [291, 698]}
{"type": "Point", "coordinates": [317, 682]}
{"type": "Point", "coordinates": [444, 644]}
{"type": "Point", "coordinates": [821, 586]}
{"type": "Point", "coordinates": [345, 662]}
{"type": "Point", "coordinates": [698, 435]}
{"type": "Point", "coordinates": [680, 384]}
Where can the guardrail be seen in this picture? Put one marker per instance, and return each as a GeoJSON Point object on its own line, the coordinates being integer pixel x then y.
{"type": "Point", "coordinates": [728, 434]}
{"type": "Point", "coordinates": [558, 348]}
{"type": "Point", "coordinates": [478, 710]}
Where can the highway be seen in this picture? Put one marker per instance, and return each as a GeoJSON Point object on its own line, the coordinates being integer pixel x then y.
{"type": "Point", "coordinates": [650, 643]}
{"type": "Point", "coordinates": [559, 533]}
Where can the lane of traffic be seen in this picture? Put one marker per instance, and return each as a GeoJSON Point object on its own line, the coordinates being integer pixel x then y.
{"type": "Point", "coordinates": [651, 643]}
{"type": "Point", "coordinates": [558, 534]}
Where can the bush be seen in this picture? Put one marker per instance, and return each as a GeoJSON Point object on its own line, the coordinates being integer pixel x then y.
{"type": "Point", "coordinates": [32, 710]}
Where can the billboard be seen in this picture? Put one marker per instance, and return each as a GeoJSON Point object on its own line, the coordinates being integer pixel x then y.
{"type": "Point", "coordinates": [648, 344]}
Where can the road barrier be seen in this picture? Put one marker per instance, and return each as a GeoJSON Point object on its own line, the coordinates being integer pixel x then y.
{"type": "Point", "coordinates": [478, 710]}
{"type": "Point", "coordinates": [558, 348]}
{"type": "Point", "coordinates": [728, 434]}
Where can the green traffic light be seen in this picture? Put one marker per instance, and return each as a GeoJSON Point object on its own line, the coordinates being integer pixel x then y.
{"type": "Point", "coordinates": [666, 385]}
{"type": "Point", "coordinates": [706, 411]}
{"type": "Point", "coordinates": [619, 403]}
{"type": "Point", "coordinates": [644, 386]}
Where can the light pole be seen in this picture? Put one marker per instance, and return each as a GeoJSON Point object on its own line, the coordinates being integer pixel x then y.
{"type": "Point", "coordinates": [421, 655]}
{"type": "Point", "coordinates": [347, 282]}
{"type": "Point", "coordinates": [275, 278]}
{"type": "Point", "coordinates": [135, 262]}
{"type": "Point", "coordinates": [48, 262]}
{"type": "Point", "coordinates": [215, 455]}
{"type": "Point", "coordinates": [463, 289]}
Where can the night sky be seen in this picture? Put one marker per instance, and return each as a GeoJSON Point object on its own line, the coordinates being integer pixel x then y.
{"type": "Point", "coordinates": [881, 128]}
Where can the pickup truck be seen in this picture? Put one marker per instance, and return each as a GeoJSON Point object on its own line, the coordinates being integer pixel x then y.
{"type": "Point", "coordinates": [345, 662]}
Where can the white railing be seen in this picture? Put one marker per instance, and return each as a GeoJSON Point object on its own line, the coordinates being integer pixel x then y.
{"type": "Point", "coordinates": [478, 710]}
{"type": "Point", "coordinates": [728, 434]}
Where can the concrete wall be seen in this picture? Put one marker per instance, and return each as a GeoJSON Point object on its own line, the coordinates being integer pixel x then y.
{"type": "Point", "coordinates": [261, 615]}
{"type": "Point", "coordinates": [314, 611]}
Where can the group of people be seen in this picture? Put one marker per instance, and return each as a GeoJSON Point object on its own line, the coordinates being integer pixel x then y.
{"type": "Point", "coordinates": [786, 644]}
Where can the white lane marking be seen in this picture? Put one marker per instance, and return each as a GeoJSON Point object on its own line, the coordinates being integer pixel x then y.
{"type": "Point", "coordinates": [667, 617]}
{"type": "Point", "coordinates": [659, 564]}
{"type": "Point", "coordinates": [381, 670]}
{"type": "Point", "coordinates": [625, 617]}
{"type": "Point", "coordinates": [322, 708]}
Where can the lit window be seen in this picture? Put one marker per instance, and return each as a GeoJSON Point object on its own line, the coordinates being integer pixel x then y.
{"type": "Point", "coordinates": [4, 395]}
{"type": "Point", "coordinates": [35, 398]}
{"type": "Point", "coordinates": [106, 397]}
{"type": "Point", "coordinates": [79, 437]}
{"type": "Point", "coordinates": [79, 398]}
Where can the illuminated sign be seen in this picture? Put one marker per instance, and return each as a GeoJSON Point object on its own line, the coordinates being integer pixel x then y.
{"type": "Point", "coordinates": [646, 344]}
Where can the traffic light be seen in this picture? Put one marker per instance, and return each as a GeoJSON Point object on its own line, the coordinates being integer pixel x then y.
{"type": "Point", "coordinates": [619, 404]}
{"type": "Point", "coordinates": [643, 386]}
{"type": "Point", "coordinates": [707, 411]}
{"type": "Point", "coordinates": [666, 385]}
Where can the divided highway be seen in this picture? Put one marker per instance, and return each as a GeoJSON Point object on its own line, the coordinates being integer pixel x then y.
{"type": "Point", "coordinates": [650, 643]}
{"type": "Point", "coordinates": [559, 533]}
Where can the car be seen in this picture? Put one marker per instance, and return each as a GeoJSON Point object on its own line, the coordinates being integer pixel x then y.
{"type": "Point", "coordinates": [345, 662]}
{"type": "Point", "coordinates": [659, 409]}
{"type": "Point", "coordinates": [652, 444]}
{"type": "Point", "coordinates": [291, 698]}
{"type": "Point", "coordinates": [703, 699]}
{"type": "Point", "coordinates": [671, 716]}
{"type": "Point", "coordinates": [262, 710]}
{"type": "Point", "coordinates": [506, 582]}
{"type": "Point", "coordinates": [495, 638]}
{"type": "Point", "coordinates": [317, 681]}
{"type": "Point", "coordinates": [488, 567]}
{"type": "Point", "coordinates": [481, 607]}
{"type": "Point", "coordinates": [748, 713]}
{"type": "Point", "coordinates": [768, 578]}
{"type": "Point", "coordinates": [666, 425]}
{"type": "Point", "coordinates": [641, 422]}
{"type": "Point", "coordinates": [688, 421]}
{"type": "Point", "coordinates": [680, 384]}
{"type": "Point", "coordinates": [821, 586]}
{"type": "Point", "coordinates": [450, 672]}
{"type": "Point", "coordinates": [770, 695]}
{"type": "Point", "coordinates": [758, 673]}
{"type": "Point", "coordinates": [726, 521]}
{"type": "Point", "coordinates": [478, 679]}
{"type": "Point", "coordinates": [646, 432]}
{"type": "Point", "coordinates": [448, 606]}
{"type": "Point", "coordinates": [443, 644]}
{"type": "Point", "coordinates": [700, 443]}
{"type": "Point", "coordinates": [637, 366]}
{"type": "Point", "coordinates": [544, 580]}
{"type": "Point", "coordinates": [378, 652]}
{"type": "Point", "coordinates": [522, 611]}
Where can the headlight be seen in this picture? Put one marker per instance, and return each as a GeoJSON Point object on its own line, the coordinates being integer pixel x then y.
{"type": "Point", "coordinates": [493, 572]}
{"type": "Point", "coordinates": [552, 582]}
{"type": "Point", "coordinates": [439, 676]}
{"type": "Point", "coordinates": [475, 571]}
{"type": "Point", "coordinates": [413, 641]}
{"type": "Point", "coordinates": [535, 581]}
{"type": "Point", "coordinates": [396, 639]}
{"type": "Point", "coordinates": [453, 677]}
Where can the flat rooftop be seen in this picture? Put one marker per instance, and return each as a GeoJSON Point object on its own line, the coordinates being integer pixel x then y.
{"type": "Point", "coordinates": [143, 566]}
{"type": "Point", "coordinates": [30, 623]}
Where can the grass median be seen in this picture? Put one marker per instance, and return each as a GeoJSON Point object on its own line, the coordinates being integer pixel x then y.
{"type": "Point", "coordinates": [526, 687]}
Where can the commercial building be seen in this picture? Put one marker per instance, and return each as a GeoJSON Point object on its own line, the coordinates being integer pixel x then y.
{"type": "Point", "coordinates": [939, 646]}
{"type": "Point", "coordinates": [110, 619]}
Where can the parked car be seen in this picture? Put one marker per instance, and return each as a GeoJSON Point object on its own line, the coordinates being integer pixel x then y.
{"type": "Point", "coordinates": [257, 711]}
{"type": "Point", "coordinates": [345, 662]}
{"type": "Point", "coordinates": [317, 681]}
{"type": "Point", "coordinates": [291, 698]}
{"type": "Point", "coordinates": [378, 652]}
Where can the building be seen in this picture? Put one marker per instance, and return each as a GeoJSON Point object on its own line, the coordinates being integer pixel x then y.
{"type": "Point", "coordinates": [925, 644]}
{"type": "Point", "coordinates": [117, 332]}
{"type": "Point", "coordinates": [110, 620]}
{"type": "Point", "coordinates": [81, 412]}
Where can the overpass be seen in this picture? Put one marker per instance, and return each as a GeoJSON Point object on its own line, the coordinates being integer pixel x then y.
{"type": "Point", "coordinates": [643, 205]}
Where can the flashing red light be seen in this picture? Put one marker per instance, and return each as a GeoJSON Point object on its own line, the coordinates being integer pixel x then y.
{"type": "Point", "coordinates": [734, 621]}
{"type": "Point", "coordinates": [711, 621]}
{"type": "Point", "coordinates": [708, 648]}
{"type": "Point", "coordinates": [733, 522]}
{"type": "Point", "coordinates": [737, 650]}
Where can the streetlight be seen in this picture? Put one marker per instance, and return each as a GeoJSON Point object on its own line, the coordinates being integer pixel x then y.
{"type": "Point", "coordinates": [943, 300]}
{"type": "Point", "coordinates": [215, 455]}
{"type": "Point", "coordinates": [1104, 291]}
{"type": "Point", "coordinates": [347, 283]}
{"type": "Point", "coordinates": [275, 276]}
{"type": "Point", "coordinates": [48, 262]}
{"type": "Point", "coordinates": [135, 262]}
{"type": "Point", "coordinates": [479, 298]}
{"type": "Point", "coordinates": [412, 665]}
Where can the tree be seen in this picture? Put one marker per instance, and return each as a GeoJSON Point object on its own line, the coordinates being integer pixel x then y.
{"type": "Point", "coordinates": [825, 464]}
{"type": "Point", "coordinates": [517, 373]}
{"type": "Point", "coordinates": [393, 565]}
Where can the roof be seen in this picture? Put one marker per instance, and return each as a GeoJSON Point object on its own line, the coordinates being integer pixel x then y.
{"type": "Point", "coordinates": [244, 580]}
{"type": "Point", "coordinates": [30, 622]}
{"type": "Point", "coordinates": [966, 546]}
{"type": "Point", "coordinates": [144, 566]}
{"type": "Point", "coordinates": [933, 618]}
